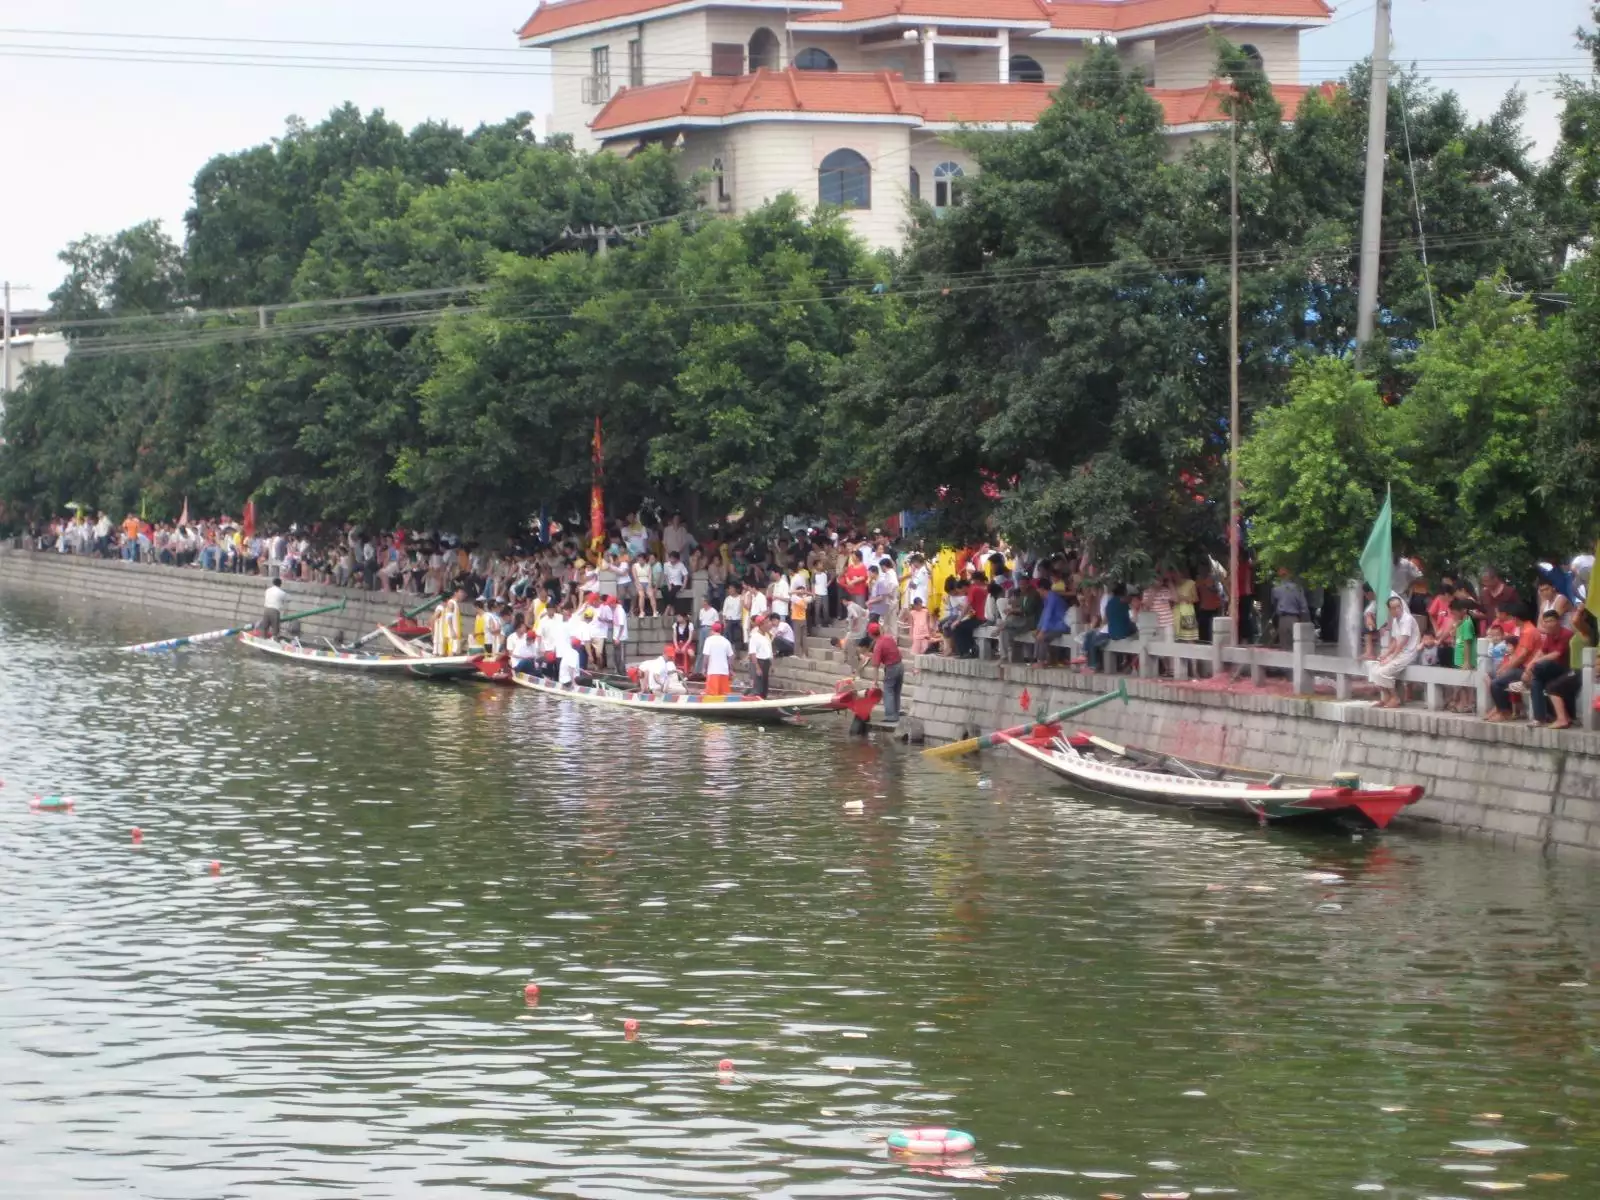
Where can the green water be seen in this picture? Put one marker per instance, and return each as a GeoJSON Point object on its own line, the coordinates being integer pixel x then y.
{"type": "Point", "coordinates": [1111, 1000]}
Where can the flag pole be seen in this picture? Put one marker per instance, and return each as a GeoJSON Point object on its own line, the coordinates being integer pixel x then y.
{"type": "Point", "coordinates": [1233, 376]}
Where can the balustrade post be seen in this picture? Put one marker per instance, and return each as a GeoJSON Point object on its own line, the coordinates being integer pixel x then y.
{"type": "Point", "coordinates": [1586, 691]}
{"type": "Point", "coordinates": [1305, 637]}
{"type": "Point", "coordinates": [1482, 688]}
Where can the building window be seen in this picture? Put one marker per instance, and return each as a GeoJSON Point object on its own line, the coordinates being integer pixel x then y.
{"type": "Point", "coordinates": [945, 71]}
{"type": "Point", "coordinates": [812, 59]}
{"type": "Point", "coordinates": [763, 50]}
{"type": "Point", "coordinates": [1253, 55]}
{"type": "Point", "coordinates": [947, 185]}
{"type": "Point", "coordinates": [845, 180]}
{"type": "Point", "coordinates": [916, 185]}
{"type": "Point", "coordinates": [1026, 69]}
{"type": "Point", "coordinates": [727, 58]}
{"type": "Point", "coordinates": [598, 85]}
{"type": "Point", "coordinates": [635, 63]}
{"type": "Point", "coordinates": [719, 170]}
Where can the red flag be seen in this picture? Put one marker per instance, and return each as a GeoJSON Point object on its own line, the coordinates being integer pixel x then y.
{"type": "Point", "coordinates": [1025, 700]}
{"type": "Point", "coordinates": [249, 518]}
{"type": "Point", "coordinates": [597, 497]}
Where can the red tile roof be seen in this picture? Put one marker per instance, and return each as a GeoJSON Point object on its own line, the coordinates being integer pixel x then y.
{"type": "Point", "coordinates": [879, 93]}
{"type": "Point", "coordinates": [552, 16]}
{"type": "Point", "coordinates": [1121, 16]}
{"type": "Point", "coordinates": [1108, 16]}
{"type": "Point", "coordinates": [856, 11]}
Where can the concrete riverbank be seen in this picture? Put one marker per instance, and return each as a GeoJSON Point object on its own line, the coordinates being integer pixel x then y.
{"type": "Point", "coordinates": [1537, 788]}
{"type": "Point", "coordinates": [1534, 787]}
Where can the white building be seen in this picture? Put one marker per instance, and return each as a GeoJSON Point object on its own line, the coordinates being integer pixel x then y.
{"type": "Point", "coordinates": [849, 101]}
{"type": "Point", "coordinates": [26, 351]}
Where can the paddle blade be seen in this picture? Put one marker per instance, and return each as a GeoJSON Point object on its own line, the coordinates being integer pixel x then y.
{"type": "Point", "coordinates": [954, 749]}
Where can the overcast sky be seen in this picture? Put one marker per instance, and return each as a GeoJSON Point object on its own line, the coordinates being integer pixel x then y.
{"type": "Point", "coordinates": [95, 146]}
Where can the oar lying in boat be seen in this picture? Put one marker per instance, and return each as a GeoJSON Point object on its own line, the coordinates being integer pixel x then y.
{"type": "Point", "coordinates": [973, 745]}
{"type": "Point", "coordinates": [400, 643]}
{"type": "Point", "coordinates": [217, 635]}
{"type": "Point", "coordinates": [415, 612]}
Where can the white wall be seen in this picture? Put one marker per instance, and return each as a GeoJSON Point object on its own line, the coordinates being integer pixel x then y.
{"type": "Point", "coordinates": [1187, 59]}
{"type": "Point", "coordinates": [773, 157]}
{"type": "Point", "coordinates": [674, 48]}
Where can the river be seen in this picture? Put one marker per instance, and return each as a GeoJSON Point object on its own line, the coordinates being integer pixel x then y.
{"type": "Point", "coordinates": [1113, 1001]}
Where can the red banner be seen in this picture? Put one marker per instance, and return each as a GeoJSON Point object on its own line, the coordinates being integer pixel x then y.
{"type": "Point", "coordinates": [249, 518]}
{"type": "Point", "coordinates": [597, 496]}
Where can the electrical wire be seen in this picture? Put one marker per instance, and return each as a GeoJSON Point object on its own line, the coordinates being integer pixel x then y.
{"type": "Point", "coordinates": [562, 309]}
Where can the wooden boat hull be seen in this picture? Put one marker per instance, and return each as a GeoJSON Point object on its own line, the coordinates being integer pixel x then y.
{"type": "Point", "coordinates": [460, 666]}
{"type": "Point", "coordinates": [1264, 802]}
{"type": "Point", "coordinates": [706, 708]}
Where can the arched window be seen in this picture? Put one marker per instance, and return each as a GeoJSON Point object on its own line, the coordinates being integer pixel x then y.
{"type": "Point", "coordinates": [812, 59]}
{"type": "Point", "coordinates": [845, 179]}
{"type": "Point", "coordinates": [1026, 69]}
{"type": "Point", "coordinates": [947, 185]}
{"type": "Point", "coordinates": [1253, 55]}
{"type": "Point", "coordinates": [916, 185]}
{"type": "Point", "coordinates": [763, 50]}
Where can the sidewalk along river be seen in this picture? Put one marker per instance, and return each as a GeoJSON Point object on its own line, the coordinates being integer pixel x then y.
{"type": "Point", "coordinates": [1113, 1001]}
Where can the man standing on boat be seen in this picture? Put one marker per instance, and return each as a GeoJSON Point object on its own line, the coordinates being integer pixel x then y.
{"type": "Point", "coordinates": [718, 655]}
{"type": "Point", "coordinates": [761, 655]}
{"type": "Point", "coordinates": [272, 609]}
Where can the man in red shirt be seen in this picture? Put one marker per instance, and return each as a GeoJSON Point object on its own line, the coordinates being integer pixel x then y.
{"type": "Point", "coordinates": [1548, 663]}
{"type": "Point", "coordinates": [886, 661]}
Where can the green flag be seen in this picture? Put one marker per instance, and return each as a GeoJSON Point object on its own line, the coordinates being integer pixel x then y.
{"type": "Point", "coordinates": [1377, 559]}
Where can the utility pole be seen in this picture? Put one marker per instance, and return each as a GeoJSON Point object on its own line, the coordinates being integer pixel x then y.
{"type": "Point", "coordinates": [1233, 377]}
{"type": "Point", "coordinates": [1372, 202]}
{"type": "Point", "coordinates": [5, 345]}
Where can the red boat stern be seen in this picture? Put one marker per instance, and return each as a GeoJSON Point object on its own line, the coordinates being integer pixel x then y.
{"type": "Point", "coordinates": [1378, 805]}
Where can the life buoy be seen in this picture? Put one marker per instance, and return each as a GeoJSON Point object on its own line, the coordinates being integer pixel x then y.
{"type": "Point", "coordinates": [933, 1141]}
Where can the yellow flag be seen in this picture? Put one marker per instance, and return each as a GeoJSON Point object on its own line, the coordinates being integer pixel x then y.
{"type": "Point", "coordinates": [1592, 599]}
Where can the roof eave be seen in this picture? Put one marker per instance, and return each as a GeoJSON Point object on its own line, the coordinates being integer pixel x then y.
{"type": "Point", "coordinates": [1203, 21]}
{"type": "Point", "coordinates": [554, 36]}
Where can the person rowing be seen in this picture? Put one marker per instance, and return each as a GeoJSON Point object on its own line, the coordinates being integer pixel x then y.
{"type": "Point", "coordinates": [272, 609]}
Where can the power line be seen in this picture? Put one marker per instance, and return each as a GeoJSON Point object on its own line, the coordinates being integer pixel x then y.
{"type": "Point", "coordinates": [560, 307]}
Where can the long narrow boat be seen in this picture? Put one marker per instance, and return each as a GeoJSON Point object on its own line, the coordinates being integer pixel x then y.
{"type": "Point", "coordinates": [1134, 774]}
{"type": "Point", "coordinates": [693, 704]}
{"type": "Point", "coordinates": [459, 666]}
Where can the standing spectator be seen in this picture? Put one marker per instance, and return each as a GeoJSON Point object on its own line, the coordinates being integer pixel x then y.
{"type": "Point", "coordinates": [1291, 606]}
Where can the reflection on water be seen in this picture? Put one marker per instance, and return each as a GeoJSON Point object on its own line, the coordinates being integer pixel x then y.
{"type": "Point", "coordinates": [1111, 1000]}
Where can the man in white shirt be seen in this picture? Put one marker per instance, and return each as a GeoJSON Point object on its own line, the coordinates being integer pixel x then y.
{"type": "Point", "coordinates": [733, 612]}
{"type": "Point", "coordinates": [571, 669]}
{"type": "Point", "coordinates": [718, 652]}
{"type": "Point", "coordinates": [676, 538]}
{"type": "Point", "coordinates": [272, 609]}
{"type": "Point", "coordinates": [674, 579]}
{"type": "Point", "coordinates": [619, 637]}
{"type": "Point", "coordinates": [761, 656]}
{"type": "Point", "coordinates": [780, 595]}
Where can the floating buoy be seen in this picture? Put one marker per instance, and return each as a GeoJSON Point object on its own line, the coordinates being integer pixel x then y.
{"type": "Point", "coordinates": [726, 1066]}
{"type": "Point", "coordinates": [51, 804]}
{"type": "Point", "coordinates": [630, 1026]}
{"type": "Point", "coordinates": [530, 993]}
{"type": "Point", "coordinates": [138, 835]}
{"type": "Point", "coordinates": [931, 1142]}
{"type": "Point", "coordinates": [216, 867]}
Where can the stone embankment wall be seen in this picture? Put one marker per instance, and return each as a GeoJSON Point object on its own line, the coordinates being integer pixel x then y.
{"type": "Point", "coordinates": [190, 600]}
{"type": "Point", "coordinates": [1534, 787]}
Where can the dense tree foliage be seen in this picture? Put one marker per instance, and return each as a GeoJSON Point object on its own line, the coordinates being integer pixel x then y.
{"type": "Point", "coordinates": [1048, 358]}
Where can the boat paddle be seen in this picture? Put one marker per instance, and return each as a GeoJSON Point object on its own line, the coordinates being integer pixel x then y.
{"type": "Point", "coordinates": [417, 611]}
{"type": "Point", "coordinates": [217, 635]}
{"type": "Point", "coordinates": [973, 745]}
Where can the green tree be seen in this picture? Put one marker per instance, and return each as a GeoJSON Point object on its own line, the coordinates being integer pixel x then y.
{"type": "Point", "coordinates": [1315, 470]}
{"type": "Point", "coordinates": [1485, 388]}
